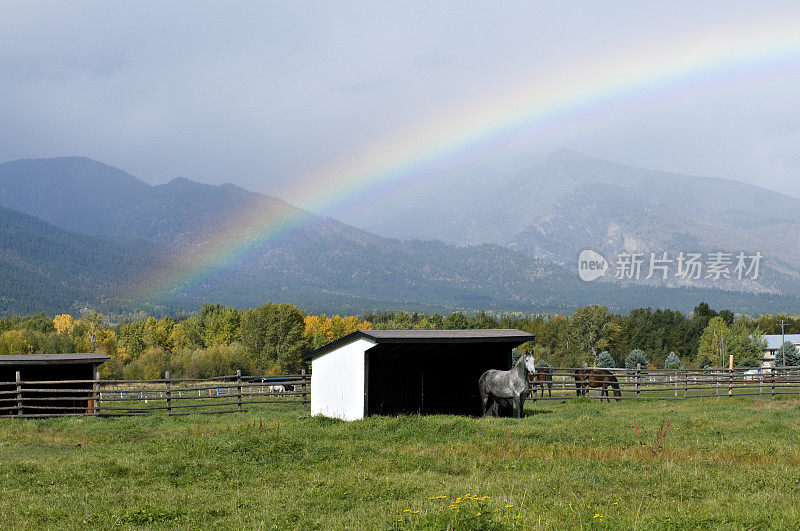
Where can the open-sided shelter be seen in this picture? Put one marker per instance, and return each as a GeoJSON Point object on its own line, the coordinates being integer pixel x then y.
{"type": "Point", "coordinates": [50, 384]}
{"type": "Point", "coordinates": [391, 372]}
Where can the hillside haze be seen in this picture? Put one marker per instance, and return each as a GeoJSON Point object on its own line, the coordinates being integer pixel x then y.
{"type": "Point", "coordinates": [75, 193]}
{"type": "Point", "coordinates": [80, 233]}
{"type": "Point", "coordinates": [46, 268]}
{"type": "Point", "coordinates": [572, 202]}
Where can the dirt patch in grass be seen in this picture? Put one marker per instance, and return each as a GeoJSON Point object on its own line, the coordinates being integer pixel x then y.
{"type": "Point", "coordinates": [499, 453]}
{"type": "Point", "coordinates": [762, 405]}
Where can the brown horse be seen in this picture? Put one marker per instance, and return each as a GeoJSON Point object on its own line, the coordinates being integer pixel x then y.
{"type": "Point", "coordinates": [542, 378]}
{"type": "Point", "coordinates": [586, 378]}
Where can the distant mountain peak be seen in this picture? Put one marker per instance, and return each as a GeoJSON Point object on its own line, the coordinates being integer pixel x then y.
{"type": "Point", "coordinates": [75, 193]}
{"type": "Point", "coordinates": [73, 162]}
{"type": "Point", "coordinates": [566, 154]}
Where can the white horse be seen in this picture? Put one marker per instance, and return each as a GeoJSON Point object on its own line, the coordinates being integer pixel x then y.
{"type": "Point", "coordinates": [499, 388]}
{"type": "Point", "coordinates": [276, 388]}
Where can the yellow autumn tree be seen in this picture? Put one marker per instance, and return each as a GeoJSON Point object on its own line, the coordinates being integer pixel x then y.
{"type": "Point", "coordinates": [63, 323]}
{"type": "Point", "coordinates": [321, 329]}
{"type": "Point", "coordinates": [13, 342]}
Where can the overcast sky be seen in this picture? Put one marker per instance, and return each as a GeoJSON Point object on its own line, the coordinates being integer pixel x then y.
{"type": "Point", "coordinates": [268, 95]}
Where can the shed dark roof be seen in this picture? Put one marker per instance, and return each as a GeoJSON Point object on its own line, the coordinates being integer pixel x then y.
{"type": "Point", "coordinates": [494, 335]}
{"type": "Point", "coordinates": [54, 359]}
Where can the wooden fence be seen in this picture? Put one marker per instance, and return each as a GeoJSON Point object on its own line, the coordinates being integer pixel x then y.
{"type": "Point", "coordinates": [173, 396]}
{"type": "Point", "coordinates": [676, 384]}
{"type": "Point", "coordinates": [230, 394]}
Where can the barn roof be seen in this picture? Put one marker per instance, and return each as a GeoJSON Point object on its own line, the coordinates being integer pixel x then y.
{"type": "Point", "coordinates": [53, 359]}
{"type": "Point", "coordinates": [493, 335]}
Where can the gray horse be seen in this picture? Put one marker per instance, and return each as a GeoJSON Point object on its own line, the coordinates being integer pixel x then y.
{"type": "Point", "coordinates": [500, 388]}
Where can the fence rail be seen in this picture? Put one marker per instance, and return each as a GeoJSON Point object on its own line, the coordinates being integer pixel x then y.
{"type": "Point", "coordinates": [229, 394]}
{"type": "Point", "coordinates": [668, 384]}
{"type": "Point", "coordinates": [173, 396]}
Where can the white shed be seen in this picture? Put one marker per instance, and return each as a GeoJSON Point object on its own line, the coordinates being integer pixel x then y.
{"type": "Point", "coordinates": [391, 372]}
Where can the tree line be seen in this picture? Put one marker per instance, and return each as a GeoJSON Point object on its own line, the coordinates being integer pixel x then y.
{"type": "Point", "coordinates": [273, 338]}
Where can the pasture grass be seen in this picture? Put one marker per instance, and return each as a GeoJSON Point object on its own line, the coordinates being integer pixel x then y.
{"type": "Point", "coordinates": [732, 463]}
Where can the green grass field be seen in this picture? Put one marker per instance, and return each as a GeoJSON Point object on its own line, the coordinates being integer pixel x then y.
{"type": "Point", "coordinates": [724, 463]}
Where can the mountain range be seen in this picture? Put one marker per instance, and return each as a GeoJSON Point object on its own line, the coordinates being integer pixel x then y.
{"type": "Point", "coordinates": [572, 202]}
{"type": "Point", "coordinates": [78, 233]}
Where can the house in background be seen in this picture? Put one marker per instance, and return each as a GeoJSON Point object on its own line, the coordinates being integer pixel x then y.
{"type": "Point", "coordinates": [774, 342]}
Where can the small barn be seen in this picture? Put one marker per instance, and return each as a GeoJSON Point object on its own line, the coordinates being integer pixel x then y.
{"type": "Point", "coordinates": [391, 372]}
{"type": "Point", "coordinates": [34, 384]}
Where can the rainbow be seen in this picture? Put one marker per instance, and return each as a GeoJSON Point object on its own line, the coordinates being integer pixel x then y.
{"type": "Point", "coordinates": [580, 96]}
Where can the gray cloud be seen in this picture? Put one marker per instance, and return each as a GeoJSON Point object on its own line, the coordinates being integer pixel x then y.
{"type": "Point", "coordinates": [268, 94]}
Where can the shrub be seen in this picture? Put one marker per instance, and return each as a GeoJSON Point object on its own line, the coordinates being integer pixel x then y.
{"type": "Point", "coordinates": [636, 357]}
{"type": "Point", "coordinates": [606, 361]}
{"type": "Point", "coordinates": [133, 371]}
{"type": "Point", "coordinates": [750, 363]}
{"type": "Point", "coordinates": [673, 361]}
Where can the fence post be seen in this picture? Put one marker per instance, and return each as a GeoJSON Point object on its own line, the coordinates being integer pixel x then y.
{"type": "Point", "coordinates": [772, 380]}
{"type": "Point", "coordinates": [638, 372]}
{"type": "Point", "coordinates": [239, 389]}
{"type": "Point", "coordinates": [685, 383]}
{"type": "Point", "coordinates": [168, 392]}
{"type": "Point", "coordinates": [730, 377]}
{"type": "Point", "coordinates": [303, 386]}
{"type": "Point", "coordinates": [96, 392]}
{"type": "Point", "coordinates": [19, 394]}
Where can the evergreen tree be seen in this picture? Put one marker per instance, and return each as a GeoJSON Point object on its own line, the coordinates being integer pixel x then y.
{"type": "Point", "coordinates": [789, 353]}
{"type": "Point", "coordinates": [636, 357]}
{"type": "Point", "coordinates": [673, 361]}
{"type": "Point", "coordinates": [606, 361]}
